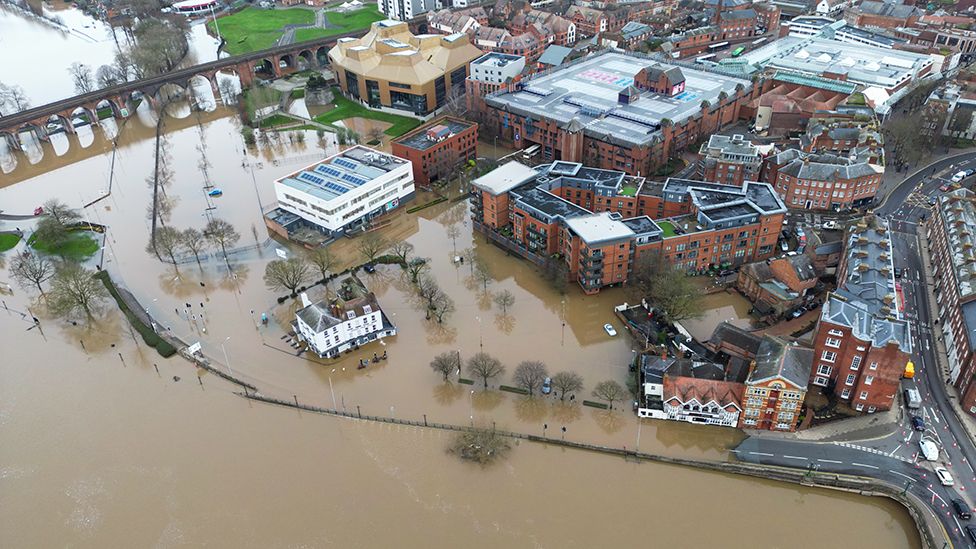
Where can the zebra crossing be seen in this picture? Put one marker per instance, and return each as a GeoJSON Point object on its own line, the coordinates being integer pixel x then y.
{"type": "Point", "coordinates": [870, 450]}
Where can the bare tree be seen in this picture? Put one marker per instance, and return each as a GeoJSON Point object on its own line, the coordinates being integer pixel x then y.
{"type": "Point", "coordinates": [13, 98]}
{"type": "Point", "coordinates": [482, 274]}
{"type": "Point", "coordinates": [53, 228]}
{"type": "Point", "coordinates": [221, 233]}
{"type": "Point", "coordinates": [485, 367]}
{"type": "Point", "coordinates": [123, 66]}
{"type": "Point", "coordinates": [455, 103]}
{"type": "Point", "coordinates": [160, 46]}
{"type": "Point", "coordinates": [287, 274]}
{"type": "Point", "coordinates": [610, 391]}
{"type": "Point", "coordinates": [167, 241]}
{"type": "Point", "coordinates": [60, 212]}
{"type": "Point", "coordinates": [446, 363]}
{"type": "Point", "coordinates": [530, 374]}
{"type": "Point", "coordinates": [374, 134]}
{"type": "Point", "coordinates": [82, 77]}
{"type": "Point", "coordinates": [416, 267]}
{"type": "Point", "coordinates": [31, 270]}
{"type": "Point", "coordinates": [74, 289]}
{"type": "Point", "coordinates": [370, 245]}
{"type": "Point", "coordinates": [567, 383]}
{"type": "Point", "coordinates": [453, 232]}
{"type": "Point", "coordinates": [108, 76]}
{"type": "Point", "coordinates": [480, 445]}
{"type": "Point", "coordinates": [402, 249]}
{"type": "Point", "coordinates": [505, 299]}
{"type": "Point", "coordinates": [428, 289]}
{"type": "Point", "coordinates": [671, 291]}
{"type": "Point", "coordinates": [441, 306]}
{"type": "Point", "coordinates": [194, 242]}
{"type": "Point", "coordinates": [322, 259]}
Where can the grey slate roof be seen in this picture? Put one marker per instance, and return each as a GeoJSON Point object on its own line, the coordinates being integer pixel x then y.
{"type": "Point", "coordinates": [318, 317]}
{"type": "Point", "coordinates": [823, 167]}
{"type": "Point", "coordinates": [738, 14]}
{"type": "Point", "coordinates": [555, 55]}
{"type": "Point", "coordinates": [886, 9]}
{"type": "Point", "coordinates": [634, 29]}
{"type": "Point", "coordinates": [737, 337]}
{"type": "Point", "coordinates": [777, 358]}
{"type": "Point", "coordinates": [829, 248]}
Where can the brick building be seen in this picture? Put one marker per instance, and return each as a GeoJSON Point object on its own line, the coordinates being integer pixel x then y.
{"type": "Point", "coordinates": [776, 386]}
{"type": "Point", "coordinates": [599, 222]}
{"type": "Point", "coordinates": [952, 243]}
{"type": "Point", "coordinates": [611, 122]}
{"type": "Point", "coordinates": [549, 27]}
{"type": "Point", "coordinates": [436, 148]}
{"type": "Point", "coordinates": [881, 15]}
{"type": "Point", "coordinates": [488, 74]}
{"type": "Point", "coordinates": [862, 341]}
{"type": "Point", "coordinates": [845, 133]}
{"type": "Point", "coordinates": [823, 181]}
{"type": "Point", "coordinates": [777, 286]}
{"type": "Point", "coordinates": [493, 39]}
{"type": "Point", "coordinates": [730, 160]}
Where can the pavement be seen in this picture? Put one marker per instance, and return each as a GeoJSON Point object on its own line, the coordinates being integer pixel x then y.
{"type": "Point", "coordinates": [885, 446]}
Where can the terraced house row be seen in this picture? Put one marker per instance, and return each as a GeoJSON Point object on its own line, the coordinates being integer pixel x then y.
{"type": "Point", "coordinates": [600, 222]}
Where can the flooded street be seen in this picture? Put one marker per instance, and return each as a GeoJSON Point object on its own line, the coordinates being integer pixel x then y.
{"type": "Point", "coordinates": [98, 447]}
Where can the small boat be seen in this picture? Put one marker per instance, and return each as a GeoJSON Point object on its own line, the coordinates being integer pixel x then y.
{"type": "Point", "coordinates": [215, 192]}
{"type": "Point", "coordinates": [610, 331]}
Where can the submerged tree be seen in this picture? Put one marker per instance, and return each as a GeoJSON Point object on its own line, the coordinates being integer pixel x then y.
{"type": "Point", "coordinates": [505, 299]}
{"type": "Point", "coordinates": [567, 383]}
{"type": "Point", "coordinates": [484, 367]}
{"type": "Point", "coordinates": [446, 363]}
{"type": "Point", "coordinates": [287, 274]}
{"type": "Point", "coordinates": [322, 259]}
{"type": "Point", "coordinates": [31, 270]}
{"type": "Point", "coordinates": [221, 234]}
{"type": "Point", "coordinates": [167, 241]}
{"type": "Point", "coordinates": [610, 391]}
{"type": "Point", "coordinates": [530, 375]}
{"type": "Point", "coordinates": [670, 291]}
{"type": "Point", "coordinates": [370, 245]}
{"type": "Point", "coordinates": [193, 242]}
{"type": "Point", "coordinates": [76, 290]}
{"type": "Point", "coordinates": [480, 445]}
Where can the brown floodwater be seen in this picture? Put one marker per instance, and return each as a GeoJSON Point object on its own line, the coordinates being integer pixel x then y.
{"type": "Point", "coordinates": [99, 449]}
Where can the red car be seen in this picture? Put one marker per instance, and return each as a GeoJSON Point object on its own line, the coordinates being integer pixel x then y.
{"type": "Point", "coordinates": [944, 188]}
{"type": "Point", "coordinates": [39, 210]}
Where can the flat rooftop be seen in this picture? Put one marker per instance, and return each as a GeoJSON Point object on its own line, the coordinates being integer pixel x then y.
{"type": "Point", "coordinates": [601, 227]}
{"type": "Point", "coordinates": [859, 63]}
{"type": "Point", "coordinates": [497, 59]}
{"type": "Point", "coordinates": [419, 140]}
{"type": "Point", "coordinates": [588, 90]}
{"type": "Point", "coordinates": [341, 173]}
{"type": "Point", "coordinates": [505, 177]}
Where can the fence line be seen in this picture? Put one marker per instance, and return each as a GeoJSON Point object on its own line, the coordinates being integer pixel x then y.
{"type": "Point", "coordinates": [855, 484]}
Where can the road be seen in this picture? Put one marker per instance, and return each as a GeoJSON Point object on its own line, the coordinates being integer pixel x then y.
{"type": "Point", "coordinates": [893, 457]}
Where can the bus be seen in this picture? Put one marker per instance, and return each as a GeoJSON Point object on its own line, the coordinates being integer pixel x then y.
{"type": "Point", "coordinates": [704, 58]}
{"type": "Point", "coordinates": [530, 152]}
{"type": "Point", "coordinates": [738, 51]}
{"type": "Point", "coordinates": [716, 47]}
{"type": "Point", "coordinates": [759, 41]}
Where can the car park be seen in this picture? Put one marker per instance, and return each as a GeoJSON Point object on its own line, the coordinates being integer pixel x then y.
{"type": "Point", "coordinates": [944, 477]}
{"type": "Point", "coordinates": [962, 509]}
{"type": "Point", "coordinates": [918, 423]}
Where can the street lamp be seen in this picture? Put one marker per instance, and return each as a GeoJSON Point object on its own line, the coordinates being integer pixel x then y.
{"type": "Point", "coordinates": [471, 403]}
{"type": "Point", "coordinates": [481, 338]}
{"type": "Point", "coordinates": [226, 360]}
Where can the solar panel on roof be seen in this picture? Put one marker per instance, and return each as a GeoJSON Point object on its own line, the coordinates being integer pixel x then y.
{"type": "Point", "coordinates": [336, 188]}
{"type": "Point", "coordinates": [305, 176]}
{"type": "Point", "coordinates": [345, 163]}
{"type": "Point", "coordinates": [354, 179]}
{"type": "Point", "coordinates": [328, 170]}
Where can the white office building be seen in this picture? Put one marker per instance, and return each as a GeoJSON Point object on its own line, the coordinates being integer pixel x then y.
{"type": "Point", "coordinates": [496, 68]}
{"type": "Point", "coordinates": [331, 328]}
{"type": "Point", "coordinates": [343, 192]}
{"type": "Point", "coordinates": [404, 10]}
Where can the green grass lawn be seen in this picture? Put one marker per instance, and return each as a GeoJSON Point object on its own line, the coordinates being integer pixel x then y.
{"type": "Point", "coordinates": [277, 120]}
{"type": "Point", "coordinates": [78, 247]}
{"type": "Point", "coordinates": [8, 241]}
{"type": "Point", "coordinates": [667, 227]}
{"type": "Point", "coordinates": [253, 29]}
{"type": "Point", "coordinates": [628, 190]}
{"type": "Point", "coordinates": [344, 22]}
{"type": "Point", "coordinates": [346, 108]}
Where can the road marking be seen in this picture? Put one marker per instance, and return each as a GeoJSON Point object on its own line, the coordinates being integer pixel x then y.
{"type": "Point", "coordinates": [934, 415]}
{"type": "Point", "coordinates": [970, 466]}
{"type": "Point", "coordinates": [900, 474]}
{"type": "Point", "coordinates": [958, 526]}
{"type": "Point", "coordinates": [795, 457]}
{"type": "Point", "coordinates": [936, 495]}
{"type": "Point", "coordinates": [829, 461]}
{"type": "Point", "coordinates": [891, 453]}
{"type": "Point", "coordinates": [863, 465]}
{"type": "Point", "coordinates": [761, 454]}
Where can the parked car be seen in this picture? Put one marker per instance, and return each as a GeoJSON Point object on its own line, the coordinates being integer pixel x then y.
{"type": "Point", "coordinates": [783, 245]}
{"type": "Point", "coordinates": [962, 509]}
{"type": "Point", "coordinates": [913, 398]}
{"type": "Point", "coordinates": [959, 176]}
{"type": "Point", "coordinates": [898, 272]}
{"type": "Point", "coordinates": [369, 268]}
{"type": "Point", "coordinates": [547, 386]}
{"type": "Point", "coordinates": [918, 423]}
{"type": "Point", "coordinates": [944, 188]}
{"type": "Point", "coordinates": [944, 477]}
{"type": "Point", "coordinates": [797, 313]}
{"type": "Point", "coordinates": [970, 172]}
{"type": "Point", "coordinates": [830, 226]}
{"type": "Point", "coordinates": [933, 201]}
{"type": "Point", "coordinates": [610, 331]}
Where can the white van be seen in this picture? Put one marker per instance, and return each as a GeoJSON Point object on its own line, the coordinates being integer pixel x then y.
{"type": "Point", "coordinates": [958, 177]}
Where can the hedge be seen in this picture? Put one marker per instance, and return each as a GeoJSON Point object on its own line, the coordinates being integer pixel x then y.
{"type": "Point", "coordinates": [151, 338]}
{"type": "Point", "coordinates": [427, 205]}
{"type": "Point", "coordinates": [592, 404]}
{"type": "Point", "coordinates": [510, 389]}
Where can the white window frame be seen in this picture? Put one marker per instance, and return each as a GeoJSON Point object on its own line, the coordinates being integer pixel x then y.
{"type": "Point", "coordinates": [856, 363]}
{"type": "Point", "coordinates": [850, 379]}
{"type": "Point", "coordinates": [822, 382]}
{"type": "Point", "coordinates": [864, 395]}
{"type": "Point", "coordinates": [832, 342]}
{"type": "Point", "coordinates": [859, 407]}
{"type": "Point", "coordinates": [829, 356]}
{"type": "Point", "coordinates": [846, 393]}
{"type": "Point", "coordinates": [824, 370]}
{"type": "Point", "coordinates": [873, 366]}
{"type": "Point", "coordinates": [869, 380]}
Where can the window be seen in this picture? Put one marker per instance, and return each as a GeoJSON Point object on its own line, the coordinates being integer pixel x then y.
{"type": "Point", "coordinates": [837, 333]}
{"type": "Point", "coordinates": [822, 382]}
{"type": "Point", "coordinates": [831, 342]}
{"type": "Point", "coordinates": [829, 356]}
{"type": "Point", "coordinates": [846, 393]}
{"type": "Point", "coordinates": [859, 407]}
{"type": "Point", "coordinates": [856, 363]}
{"type": "Point", "coordinates": [869, 380]}
{"type": "Point", "coordinates": [864, 395]}
{"type": "Point", "coordinates": [786, 416]}
{"type": "Point", "coordinates": [850, 379]}
{"type": "Point", "coordinates": [874, 366]}
{"type": "Point", "coordinates": [823, 370]}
